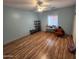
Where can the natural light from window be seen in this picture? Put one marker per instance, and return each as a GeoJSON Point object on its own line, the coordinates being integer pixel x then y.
{"type": "Point", "coordinates": [53, 20]}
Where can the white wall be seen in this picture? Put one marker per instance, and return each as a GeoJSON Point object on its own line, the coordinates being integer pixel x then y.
{"type": "Point", "coordinates": [17, 23]}
{"type": "Point", "coordinates": [65, 18]}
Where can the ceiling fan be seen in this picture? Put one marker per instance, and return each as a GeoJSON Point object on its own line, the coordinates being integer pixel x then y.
{"type": "Point", "coordinates": [41, 5]}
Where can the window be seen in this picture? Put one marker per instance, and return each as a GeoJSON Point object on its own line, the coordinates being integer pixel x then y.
{"type": "Point", "coordinates": [53, 20]}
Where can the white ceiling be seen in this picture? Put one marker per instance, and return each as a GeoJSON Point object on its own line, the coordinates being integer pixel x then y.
{"type": "Point", "coordinates": [31, 4]}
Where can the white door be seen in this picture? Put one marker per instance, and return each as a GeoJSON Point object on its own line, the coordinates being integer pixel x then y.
{"type": "Point", "coordinates": [74, 30]}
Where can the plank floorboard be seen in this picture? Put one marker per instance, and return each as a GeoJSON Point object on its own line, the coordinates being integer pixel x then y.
{"type": "Point", "coordinates": [41, 45]}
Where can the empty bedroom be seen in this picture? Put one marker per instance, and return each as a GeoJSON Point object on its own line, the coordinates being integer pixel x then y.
{"type": "Point", "coordinates": [39, 29]}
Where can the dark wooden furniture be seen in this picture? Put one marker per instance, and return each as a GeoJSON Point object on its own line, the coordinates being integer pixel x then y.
{"type": "Point", "coordinates": [37, 26]}
{"type": "Point", "coordinates": [32, 31]}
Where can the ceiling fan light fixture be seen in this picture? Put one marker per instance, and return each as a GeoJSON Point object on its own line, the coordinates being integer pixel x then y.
{"type": "Point", "coordinates": [39, 5]}
{"type": "Point", "coordinates": [39, 9]}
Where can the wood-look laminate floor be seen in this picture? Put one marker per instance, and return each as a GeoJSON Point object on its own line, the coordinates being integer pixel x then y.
{"type": "Point", "coordinates": [40, 45]}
